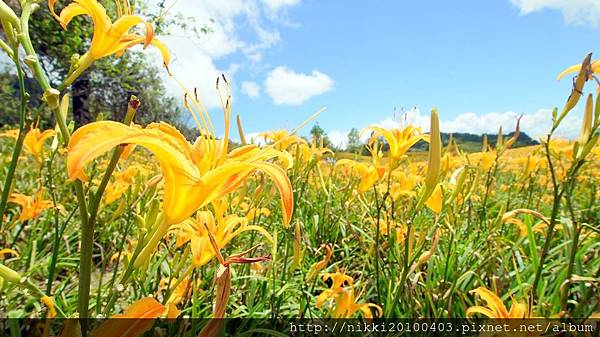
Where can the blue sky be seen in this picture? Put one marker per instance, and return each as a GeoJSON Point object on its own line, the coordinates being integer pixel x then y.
{"type": "Point", "coordinates": [480, 62]}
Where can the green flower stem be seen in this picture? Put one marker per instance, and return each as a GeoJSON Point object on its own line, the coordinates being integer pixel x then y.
{"type": "Point", "coordinates": [82, 65]}
{"type": "Point", "coordinates": [87, 230]}
{"type": "Point", "coordinates": [87, 234]}
{"type": "Point", "coordinates": [20, 139]}
{"type": "Point", "coordinates": [25, 39]}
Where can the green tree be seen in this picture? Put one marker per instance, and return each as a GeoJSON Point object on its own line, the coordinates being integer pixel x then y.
{"type": "Point", "coordinates": [318, 133]}
{"type": "Point", "coordinates": [105, 88]}
{"type": "Point", "coordinates": [354, 143]}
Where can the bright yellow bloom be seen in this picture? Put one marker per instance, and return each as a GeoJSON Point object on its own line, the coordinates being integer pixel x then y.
{"type": "Point", "coordinates": [342, 294]}
{"type": "Point", "coordinates": [318, 266]}
{"type": "Point", "coordinates": [595, 67]}
{"type": "Point", "coordinates": [253, 212]}
{"type": "Point", "coordinates": [109, 37]}
{"type": "Point", "coordinates": [49, 302]}
{"type": "Point", "coordinates": [122, 181]}
{"type": "Point", "coordinates": [13, 133]}
{"type": "Point", "coordinates": [194, 174]}
{"type": "Point", "coordinates": [484, 160]}
{"type": "Point", "coordinates": [178, 294]}
{"type": "Point", "coordinates": [399, 140]}
{"type": "Point", "coordinates": [435, 201]}
{"type": "Point", "coordinates": [281, 140]}
{"type": "Point", "coordinates": [317, 151]}
{"type": "Point", "coordinates": [390, 226]}
{"type": "Point", "coordinates": [403, 184]}
{"type": "Point", "coordinates": [223, 228]}
{"type": "Point", "coordinates": [6, 251]}
{"type": "Point", "coordinates": [339, 280]}
{"type": "Point", "coordinates": [346, 306]}
{"type": "Point", "coordinates": [369, 174]}
{"type": "Point", "coordinates": [495, 308]}
{"type": "Point", "coordinates": [33, 142]}
{"type": "Point", "coordinates": [31, 207]}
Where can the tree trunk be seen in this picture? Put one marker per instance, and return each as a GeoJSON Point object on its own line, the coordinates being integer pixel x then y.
{"type": "Point", "coordinates": [81, 101]}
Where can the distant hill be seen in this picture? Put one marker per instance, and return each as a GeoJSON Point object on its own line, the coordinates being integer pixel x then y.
{"type": "Point", "coordinates": [469, 142]}
{"type": "Point", "coordinates": [473, 143]}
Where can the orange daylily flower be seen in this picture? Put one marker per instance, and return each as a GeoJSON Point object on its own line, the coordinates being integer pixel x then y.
{"type": "Point", "coordinates": [339, 280]}
{"type": "Point", "coordinates": [34, 140]}
{"type": "Point", "coordinates": [345, 304]}
{"type": "Point", "coordinates": [194, 175]}
{"type": "Point", "coordinates": [318, 266]}
{"type": "Point", "coordinates": [223, 228]}
{"type": "Point", "coordinates": [495, 308]}
{"type": "Point", "coordinates": [403, 184]}
{"type": "Point", "coordinates": [49, 302]}
{"type": "Point", "coordinates": [31, 207]}
{"type": "Point", "coordinates": [109, 37]}
{"type": "Point", "coordinates": [281, 140]}
{"type": "Point", "coordinates": [390, 226]}
{"type": "Point", "coordinates": [399, 140]}
{"type": "Point", "coordinates": [369, 174]}
{"type": "Point", "coordinates": [137, 319]}
{"type": "Point", "coordinates": [181, 290]}
{"type": "Point", "coordinates": [12, 133]}
{"type": "Point", "coordinates": [6, 251]}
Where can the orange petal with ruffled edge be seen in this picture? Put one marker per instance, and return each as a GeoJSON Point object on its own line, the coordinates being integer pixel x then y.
{"type": "Point", "coordinates": [139, 319]}
{"type": "Point", "coordinates": [495, 307]}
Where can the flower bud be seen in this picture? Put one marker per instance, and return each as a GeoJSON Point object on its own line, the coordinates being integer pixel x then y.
{"type": "Point", "coordinates": [9, 274]}
{"type": "Point", "coordinates": [435, 157]}
{"type": "Point", "coordinates": [586, 127]}
{"type": "Point", "coordinates": [577, 90]}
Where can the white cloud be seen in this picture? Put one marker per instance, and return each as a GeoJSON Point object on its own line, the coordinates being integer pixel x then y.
{"type": "Point", "coordinates": [536, 124]}
{"type": "Point", "coordinates": [338, 138]}
{"type": "Point", "coordinates": [579, 12]}
{"type": "Point", "coordinates": [287, 87]}
{"type": "Point", "coordinates": [238, 27]}
{"type": "Point", "coordinates": [255, 138]}
{"type": "Point", "coordinates": [276, 5]}
{"type": "Point", "coordinates": [251, 89]}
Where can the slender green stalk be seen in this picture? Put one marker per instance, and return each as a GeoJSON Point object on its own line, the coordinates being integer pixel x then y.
{"type": "Point", "coordinates": [555, 208]}
{"type": "Point", "coordinates": [21, 137]}
{"type": "Point", "coordinates": [87, 233]}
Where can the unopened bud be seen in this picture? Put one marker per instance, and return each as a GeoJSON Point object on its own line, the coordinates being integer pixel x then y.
{"type": "Point", "coordinates": [586, 127]}
{"type": "Point", "coordinates": [9, 274]}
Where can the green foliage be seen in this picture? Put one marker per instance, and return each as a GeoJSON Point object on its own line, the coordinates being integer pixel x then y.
{"type": "Point", "coordinates": [354, 144]}
{"type": "Point", "coordinates": [111, 80]}
{"type": "Point", "coordinates": [318, 133]}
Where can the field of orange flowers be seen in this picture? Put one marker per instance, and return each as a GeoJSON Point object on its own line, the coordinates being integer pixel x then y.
{"type": "Point", "coordinates": [116, 218]}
